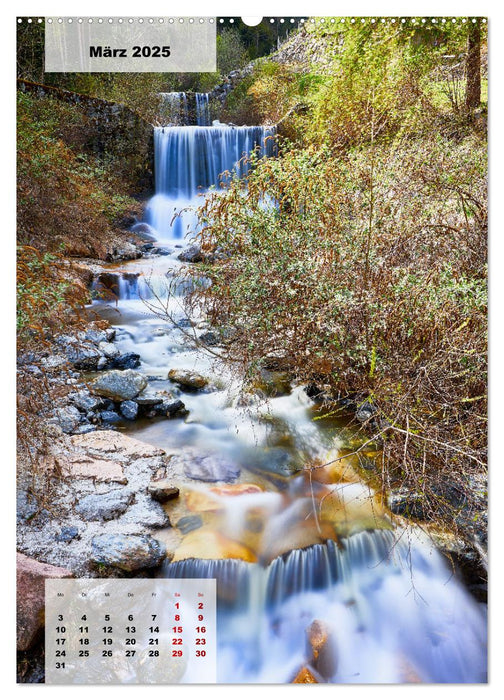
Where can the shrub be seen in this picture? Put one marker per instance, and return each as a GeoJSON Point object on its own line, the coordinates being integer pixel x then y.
{"type": "Point", "coordinates": [367, 275]}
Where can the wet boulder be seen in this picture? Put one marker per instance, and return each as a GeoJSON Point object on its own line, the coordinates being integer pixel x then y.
{"type": "Point", "coordinates": [271, 383]}
{"type": "Point", "coordinates": [110, 417]}
{"type": "Point", "coordinates": [128, 360]}
{"type": "Point", "coordinates": [209, 338]}
{"type": "Point", "coordinates": [162, 490]}
{"type": "Point", "coordinates": [129, 409]}
{"type": "Point", "coordinates": [119, 385]}
{"type": "Point", "coordinates": [128, 552]}
{"type": "Point", "coordinates": [192, 254]}
{"type": "Point", "coordinates": [187, 379]}
{"type": "Point", "coordinates": [409, 504]}
{"type": "Point", "coordinates": [171, 409]}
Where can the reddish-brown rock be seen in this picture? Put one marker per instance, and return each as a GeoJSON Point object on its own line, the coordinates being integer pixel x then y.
{"type": "Point", "coordinates": [31, 576]}
{"type": "Point", "coordinates": [306, 675]}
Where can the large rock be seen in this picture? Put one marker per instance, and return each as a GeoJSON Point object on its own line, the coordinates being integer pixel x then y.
{"type": "Point", "coordinates": [99, 470]}
{"type": "Point", "coordinates": [105, 506]}
{"type": "Point", "coordinates": [119, 385]}
{"type": "Point", "coordinates": [105, 442]}
{"type": "Point", "coordinates": [127, 552]}
{"type": "Point", "coordinates": [272, 383]}
{"type": "Point", "coordinates": [187, 379]}
{"type": "Point", "coordinates": [31, 576]}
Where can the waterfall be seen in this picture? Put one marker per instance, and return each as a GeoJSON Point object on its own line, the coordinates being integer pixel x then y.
{"type": "Point", "coordinates": [390, 609]}
{"type": "Point", "coordinates": [203, 109]}
{"type": "Point", "coordinates": [191, 159]}
{"type": "Point", "coordinates": [174, 108]}
{"type": "Point", "coordinates": [130, 286]}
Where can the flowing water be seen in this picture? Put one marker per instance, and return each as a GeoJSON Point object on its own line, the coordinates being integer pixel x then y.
{"type": "Point", "coordinates": [314, 580]}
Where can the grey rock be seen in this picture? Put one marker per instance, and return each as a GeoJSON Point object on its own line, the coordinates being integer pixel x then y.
{"type": "Point", "coordinates": [110, 416]}
{"type": "Point", "coordinates": [108, 349]}
{"type": "Point", "coordinates": [83, 357]}
{"type": "Point", "coordinates": [26, 507]}
{"type": "Point", "coordinates": [145, 399]}
{"type": "Point", "coordinates": [68, 418]}
{"type": "Point", "coordinates": [191, 254]}
{"type": "Point", "coordinates": [365, 412]}
{"type": "Point", "coordinates": [209, 338]}
{"type": "Point", "coordinates": [54, 362]}
{"type": "Point", "coordinates": [84, 428]}
{"type": "Point", "coordinates": [147, 513]}
{"type": "Point", "coordinates": [105, 506]}
{"type": "Point", "coordinates": [103, 363]}
{"type": "Point", "coordinates": [95, 336]}
{"type": "Point", "coordinates": [33, 369]}
{"type": "Point", "coordinates": [129, 409]}
{"type": "Point", "coordinates": [119, 385]}
{"type": "Point", "coordinates": [127, 552]}
{"type": "Point", "coordinates": [129, 360]}
{"type": "Point", "coordinates": [67, 534]}
{"type": "Point", "coordinates": [85, 401]}
{"type": "Point", "coordinates": [171, 409]}
{"type": "Point", "coordinates": [407, 503]}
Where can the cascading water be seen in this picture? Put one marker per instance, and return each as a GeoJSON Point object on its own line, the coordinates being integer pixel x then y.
{"type": "Point", "coordinates": [384, 604]}
{"type": "Point", "coordinates": [189, 160]}
{"type": "Point", "coordinates": [174, 108]}
{"type": "Point", "coordinates": [203, 109]}
{"type": "Point", "coordinates": [314, 583]}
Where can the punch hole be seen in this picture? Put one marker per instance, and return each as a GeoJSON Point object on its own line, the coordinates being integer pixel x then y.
{"type": "Point", "coordinates": [251, 21]}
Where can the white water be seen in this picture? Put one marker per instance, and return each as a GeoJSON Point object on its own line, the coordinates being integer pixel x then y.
{"type": "Point", "coordinates": [191, 159]}
{"type": "Point", "coordinates": [203, 109]}
{"type": "Point", "coordinates": [393, 610]}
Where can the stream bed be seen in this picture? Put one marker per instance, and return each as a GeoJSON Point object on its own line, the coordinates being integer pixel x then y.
{"type": "Point", "coordinates": [316, 583]}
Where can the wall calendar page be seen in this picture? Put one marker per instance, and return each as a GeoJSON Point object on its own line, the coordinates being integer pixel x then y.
{"type": "Point", "coordinates": [252, 349]}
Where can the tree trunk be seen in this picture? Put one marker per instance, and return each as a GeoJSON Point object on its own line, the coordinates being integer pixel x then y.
{"type": "Point", "coordinates": [473, 68]}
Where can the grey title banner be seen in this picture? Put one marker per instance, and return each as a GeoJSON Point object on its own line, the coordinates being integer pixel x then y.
{"type": "Point", "coordinates": [130, 44]}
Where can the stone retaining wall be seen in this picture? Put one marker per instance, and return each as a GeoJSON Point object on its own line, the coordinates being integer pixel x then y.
{"type": "Point", "coordinates": [114, 130]}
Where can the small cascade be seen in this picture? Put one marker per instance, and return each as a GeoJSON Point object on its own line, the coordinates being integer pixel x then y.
{"type": "Point", "coordinates": [128, 286]}
{"type": "Point", "coordinates": [190, 160]}
{"type": "Point", "coordinates": [203, 109]}
{"type": "Point", "coordinates": [174, 108]}
{"type": "Point", "coordinates": [389, 608]}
